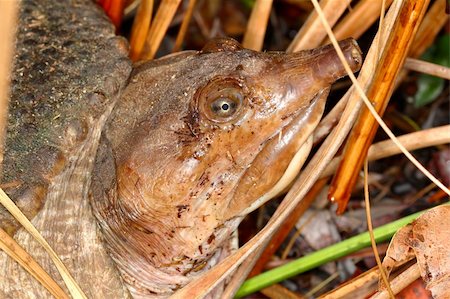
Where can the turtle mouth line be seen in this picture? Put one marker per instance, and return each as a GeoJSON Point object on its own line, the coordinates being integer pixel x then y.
{"type": "Point", "coordinates": [292, 117]}
{"type": "Point", "coordinates": [291, 149]}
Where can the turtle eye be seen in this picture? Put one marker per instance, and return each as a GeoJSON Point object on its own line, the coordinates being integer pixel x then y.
{"type": "Point", "coordinates": [226, 106]}
{"type": "Point", "coordinates": [222, 101]}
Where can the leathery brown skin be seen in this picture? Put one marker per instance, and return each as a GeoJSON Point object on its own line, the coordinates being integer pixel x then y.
{"type": "Point", "coordinates": [196, 142]}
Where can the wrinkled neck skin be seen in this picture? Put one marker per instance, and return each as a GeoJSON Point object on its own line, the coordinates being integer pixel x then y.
{"type": "Point", "coordinates": [183, 177]}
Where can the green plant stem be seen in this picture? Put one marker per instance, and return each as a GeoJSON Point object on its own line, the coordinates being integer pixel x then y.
{"type": "Point", "coordinates": [322, 256]}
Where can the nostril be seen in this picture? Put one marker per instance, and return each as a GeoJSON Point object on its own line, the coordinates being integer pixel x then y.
{"type": "Point", "coordinates": [356, 56]}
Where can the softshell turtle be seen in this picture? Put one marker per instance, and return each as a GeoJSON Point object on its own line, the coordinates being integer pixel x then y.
{"type": "Point", "coordinates": [171, 154]}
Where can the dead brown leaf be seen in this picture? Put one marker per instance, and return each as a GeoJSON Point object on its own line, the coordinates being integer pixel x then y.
{"type": "Point", "coordinates": [427, 239]}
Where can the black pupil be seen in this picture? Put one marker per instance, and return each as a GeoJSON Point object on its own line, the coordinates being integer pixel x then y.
{"type": "Point", "coordinates": [225, 105]}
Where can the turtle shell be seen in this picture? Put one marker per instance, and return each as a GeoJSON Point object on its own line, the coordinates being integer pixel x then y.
{"type": "Point", "coordinates": [68, 72]}
{"type": "Point", "coordinates": [69, 67]}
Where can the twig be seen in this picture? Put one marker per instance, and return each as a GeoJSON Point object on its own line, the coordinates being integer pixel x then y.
{"type": "Point", "coordinates": [322, 284]}
{"type": "Point", "coordinates": [10, 246]}
{"type": "Point", "coordinates": [257, 25]}
{"type": "Point", "coordinates": [277, 291]}
{"type": "Point", "coordinates": [432, 23]}
{"type": "Point", "coordinates": [427, 68]}
{"type": "Point", "coordinates": [287, 226]}
{"type": "Point", "coordinates": [140, 28]}
{"type": "Point", "coordinates": [370, 230]}
{"type": "Point", "coordinates": [165, 14]}
{"type": "Point", "coordinates": [412, 141]}
{"type": "Point", "coordinates": [379, 92]}
{"type": "Point", "coordinates": [421, 193]}
{"type": "Point", "coordinates": [70, 282]}
{"type": "Point", "coordinates": [312, 32]}
{"type": "Point", "coordinates": [356, 22]}
{"type": "Point", "coordinates": [348, 289]}
{"type": "Point", "coordinates": [115, 12]}
{"type": "Point", "coordinates": [297, 233]}
{"type": "Point", "coordinates": [8, 14]}
{"type": "Point", "coordinates": [400, 282]}
{"type": "Point", "coordinates": [184, 26]}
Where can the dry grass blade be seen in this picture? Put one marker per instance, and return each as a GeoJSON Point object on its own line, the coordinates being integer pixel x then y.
{"type": "Point", "coordinates": [322, 284]}
{"type": "Point", "coordinates": [140, 28]}
{"type": "Point", "coordinates": [357, 21]}
{"type": "Point", "coordinates": [163, 18]}
{"type": "Point", "coordinates": [412, 141]}
{"type": "Point", "coordinates": [287, 226]}
{"type": "Point", "coordinates": [8, 14]}
{"type": "Point", "coordinates": [257, 24]}
{"type": "Point", "coordinates": [248, 253]}
{"type": "Point", "coordinates": [184, 26]}
{"type": "Point", "coordinates": [70, 282]}
{"type": "Point", "coordinates": [348, 289]}
{"type": "Point", "coordinates": [327, 123]}
{"type": "Point", "coordinates": [296, 235]}
{"type": "Point", "coordinates": [279, 292]}
{"type": "Point", "coordinates": [115, 12]}
{"type": "Point", "coordinates": [432, 23]}
{"type": "Point", "coordinates": [16, 252]}
{"type": "Point", "coordinates": [312, 32]}
{"type": "Point", "coordinates": [400, 282]}
{"type": "Point", "coordinates": [370, 229]}
{"type": "Point", "coordinates": [382, 86]}
{"type": "Point", "coordinates": [427, 68]}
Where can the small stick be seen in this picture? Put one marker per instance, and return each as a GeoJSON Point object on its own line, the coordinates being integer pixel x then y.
{"type": "Point", "coordinates": [8, 14]}
{"type": "Point", "coordinates": [164, 16]}
{"type": "Point", "coordinates": [432, 23]}
{"type": "Point", "coordinates": [70, 282]}
{"type": "Point", "coordinates": [312, 32]}
{"type": "Point", "coordinates": [369, 277]}
{"type": "Point", "coordinates": [370, 230]}
{"type": "Point", "coordinates": [357, 21]}
{"type": "Point", "coordinates": [283, 231]}
{"type": "Point", "coordinates": [184, 26]}
{"type": "Point", "coordinates": [379, 92]}
{"type": "Point", "coordinates": [257, 25]}
{"type": "Point", "coordinates": [372, 110]}
{"type": "Point", "coordinates": [427, 68]}
{"type": "Point", "coordinates": [17, 253]}
{"type": "Point", "coordinates": [140, 28]}
{"type": "Point", "coordinates": [277, 291]}
{"type": "Point", "coordinates": [322, 284]}
{"type": "Point", "coordinates": [387, 148]}
{"type": "Point", "coordinates": [400, 282]}
{"type": "Point", "coordinates": [327, 123]}
{"type": "Point", "coordinates": [115, 12]}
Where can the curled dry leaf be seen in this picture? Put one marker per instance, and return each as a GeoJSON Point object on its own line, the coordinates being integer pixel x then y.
{"type": "Point", "coordinates": [428, 239]}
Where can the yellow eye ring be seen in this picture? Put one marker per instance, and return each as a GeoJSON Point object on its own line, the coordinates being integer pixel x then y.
{"type": "Point", "coordinates": [221, 100]}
